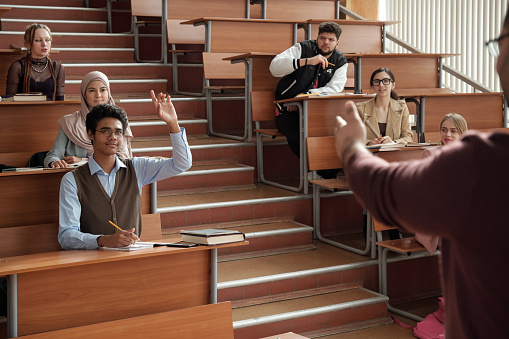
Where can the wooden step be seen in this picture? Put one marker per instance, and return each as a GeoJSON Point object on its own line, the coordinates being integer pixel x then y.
{"type": "Point", "coordinates": [203, 147]}
{"type": "Point", "coordinates": [308, 310]}
{"type": "Point", "coordinates": [69, 39]}
{"type": "Point", "coordinates": [68, 54]}
{"type": "Point", "coordinates": [232, 203]}
{"type": "Point", "coordinates": [56, 13]}
{"type": "Point", "coordinates": [207, 175]}
{"type": "Point", "coordinates": [121, 84]}
{"type": "Point", "coordinates": [294, 271]}
{"type": "Point", "coordinates": [151, 125]}
{"type": "Point", "coordinates": [15, 24]}
{"type": "Point", "coordinates": [54, 3]}
{"type": "Point", "coordinates": [112, 68]}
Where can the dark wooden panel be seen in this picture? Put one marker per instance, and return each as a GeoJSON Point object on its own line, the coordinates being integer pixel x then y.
{"type": "Point", "coordinates": [109, 291]}
{"type": "Point", "coordinates": [322, 114]}
{"type": "Point", "coordinates": [251, 36]}
{"type": "Point", "coordinates": [213, 321]}
{"type": "Point", "coordinates": [481, 110]}
{"type": "Point", "coordinates": [357, 38]}
{"type": "Point", "coordinates": [301, 10]}
{"type": "Point", "coordinates": [409, 72]}
{"type": "Point", "coordinates": [30, 128]}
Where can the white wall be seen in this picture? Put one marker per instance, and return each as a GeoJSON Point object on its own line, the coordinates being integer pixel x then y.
{"type": "Point", "coordinates": [450, 26]}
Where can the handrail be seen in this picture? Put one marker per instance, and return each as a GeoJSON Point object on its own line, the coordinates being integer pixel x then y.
{"type": "Point", "coordinates": [446, 68]}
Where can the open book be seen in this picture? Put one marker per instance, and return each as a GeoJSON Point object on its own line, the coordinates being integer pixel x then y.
{"type": "Point", "coordinates": [387, 145]}
{"type": "Point", "coordinates": [134, 247]}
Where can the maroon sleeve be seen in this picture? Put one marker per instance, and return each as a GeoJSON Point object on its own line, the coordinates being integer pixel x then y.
{"type": "Point", "coordinates": [422, 195]}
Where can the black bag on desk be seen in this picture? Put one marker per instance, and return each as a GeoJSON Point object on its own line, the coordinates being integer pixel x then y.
{"type": "Point", "coordinates": [37, 160]}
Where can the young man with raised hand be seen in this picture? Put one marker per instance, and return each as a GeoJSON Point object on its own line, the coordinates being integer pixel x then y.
{"type": "Point", "coordinates": [108, 188]}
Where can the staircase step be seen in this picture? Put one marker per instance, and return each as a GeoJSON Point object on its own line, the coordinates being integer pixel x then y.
{"type": "Point", "coordinates": [56, 13]}
{"type": "Point", "coordinates": [121, 84]}
{"type": "Point", "coordinates": [112, 68]}
{"type": "Point", "coordinates": [202, 177]}
{"type": "Point", "coordinates": [151, 125]}
{"type": "Point", "coordinates": [69, 39]}
{"type": "Point", "coordinates": [291, 272]}
{"type": "Point", "coordinates": [54, 3]}
{"type": "Point", "coordinates": [203, 147]}
{"type": "Point", "coordinates": [267, 237]}
{"type": "Point", "coordinates": [12, 24]}
{"type": "Point", "coordinates": [308, 310]}
{"type": "Point", "coordinates": [68, 54]}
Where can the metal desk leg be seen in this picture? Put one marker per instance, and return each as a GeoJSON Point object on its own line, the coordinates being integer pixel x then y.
{"type": "Point", "coordinates": [12, 305]}
{"type": "Point", "coordinates": [213, 276]}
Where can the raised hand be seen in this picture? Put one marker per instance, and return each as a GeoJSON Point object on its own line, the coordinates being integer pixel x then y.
{"type": "Point", "coordinates": [165, 110]}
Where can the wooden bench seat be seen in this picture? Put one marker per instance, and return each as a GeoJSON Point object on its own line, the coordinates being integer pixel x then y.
{"type": "Point", "coordinates": [263, 111]}
{"type": "Point", "coordinates": [152, 12]}
{"type": "Point", "coordinates": [216, 69]}
{"type": "Point", "coordinates": [401, 246]}
{"type": "Point", "coordinates": [322, 156]}
{"type": "Point", "coordinates": [212, 321]}
{"type": "Point", "coordinates": [192, 38]}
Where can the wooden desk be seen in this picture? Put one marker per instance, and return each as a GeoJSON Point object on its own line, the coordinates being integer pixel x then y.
{"type": "Point", "coordinates": [247, 35]}
{"type": "Point", "coordinates": [289, 10]}
{"type": "Point", "coordinates": [257, 78]}
{"type": "Point", "coordinates": [180, 10]}
{"type": "Point", "coordinates": [480, 110]}
{"type": "Point", "coordinates": [56, 290]}
{"type": "Point", "coordinates": [358, 36]}
{"type": "Point", "coordinates": [411, 70]}
{"type": "Point", "coordinates": [31, 198]}
{"type": "Point", "coordinates": [30, 127]}
{"type": "Point", "coordinates": [7, 57]}
{"type": "Point", "coordinates": [317, 115]}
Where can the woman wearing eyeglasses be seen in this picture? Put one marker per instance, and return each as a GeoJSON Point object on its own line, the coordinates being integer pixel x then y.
{"type": "Point", "coordinates": [385, 116]}
{"type": "Point", "coordinates": [72, 144]}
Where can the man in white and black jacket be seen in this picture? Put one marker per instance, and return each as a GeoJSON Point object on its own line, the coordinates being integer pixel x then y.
{"type": "Point", "coordinates": [311, 66]}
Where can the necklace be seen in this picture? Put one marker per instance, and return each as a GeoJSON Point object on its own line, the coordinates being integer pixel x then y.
{"type": "Point", "coordinates": [42, 70]}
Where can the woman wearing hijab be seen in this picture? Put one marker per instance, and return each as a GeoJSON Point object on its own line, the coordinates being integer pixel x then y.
{"type": "Point", "coordinates": [72, 144]}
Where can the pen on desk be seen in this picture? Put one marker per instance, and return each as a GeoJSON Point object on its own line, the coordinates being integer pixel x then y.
{"type": "Point", "coordinates": [111, 222]}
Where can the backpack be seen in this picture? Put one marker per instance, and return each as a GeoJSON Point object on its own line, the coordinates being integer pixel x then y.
{"type": "Point", "coordinates": [37, 160]}
{"type": "Point", "coordinates": [431, 327]}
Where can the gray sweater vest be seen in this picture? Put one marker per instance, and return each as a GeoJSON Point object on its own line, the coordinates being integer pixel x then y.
{"type": "Point", "coordinates": [123, 208]}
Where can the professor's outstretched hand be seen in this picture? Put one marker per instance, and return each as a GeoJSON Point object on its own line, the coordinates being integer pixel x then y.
{"type": "Point", "coordinates": [350, 133]}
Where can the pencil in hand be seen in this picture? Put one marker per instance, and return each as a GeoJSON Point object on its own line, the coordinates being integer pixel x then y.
{"type": "Point", "coordinates": [111, 222]}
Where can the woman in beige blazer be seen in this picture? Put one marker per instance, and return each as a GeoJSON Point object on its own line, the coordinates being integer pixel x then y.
{"type": "Point", "coordinates": [385, 116]}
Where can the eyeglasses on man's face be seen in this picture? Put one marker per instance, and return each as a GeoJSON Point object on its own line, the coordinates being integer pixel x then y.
{"type": "Point", "coordinates": [386, 81]}
{"type": "Point", "coordinates": [494, 45]}
{"type": "Point", "coordinates": [108, 132]}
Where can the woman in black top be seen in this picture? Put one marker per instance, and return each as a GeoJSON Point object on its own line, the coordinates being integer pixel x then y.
{"type": "Point", "coordinates": [36, 72]}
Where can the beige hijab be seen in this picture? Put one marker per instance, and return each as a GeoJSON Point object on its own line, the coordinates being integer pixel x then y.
{"type": "Point", "coordinates": [73, 125]}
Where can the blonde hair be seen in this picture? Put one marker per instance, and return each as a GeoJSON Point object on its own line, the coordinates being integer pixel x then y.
{"type": "Point", "coordinates": [457, 120]}
{"type": "Point", "coordinates": [29, 40]}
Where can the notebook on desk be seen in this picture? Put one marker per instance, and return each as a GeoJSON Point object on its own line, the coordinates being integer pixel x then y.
{"type": "Point", "coordinates": [134, 247]}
